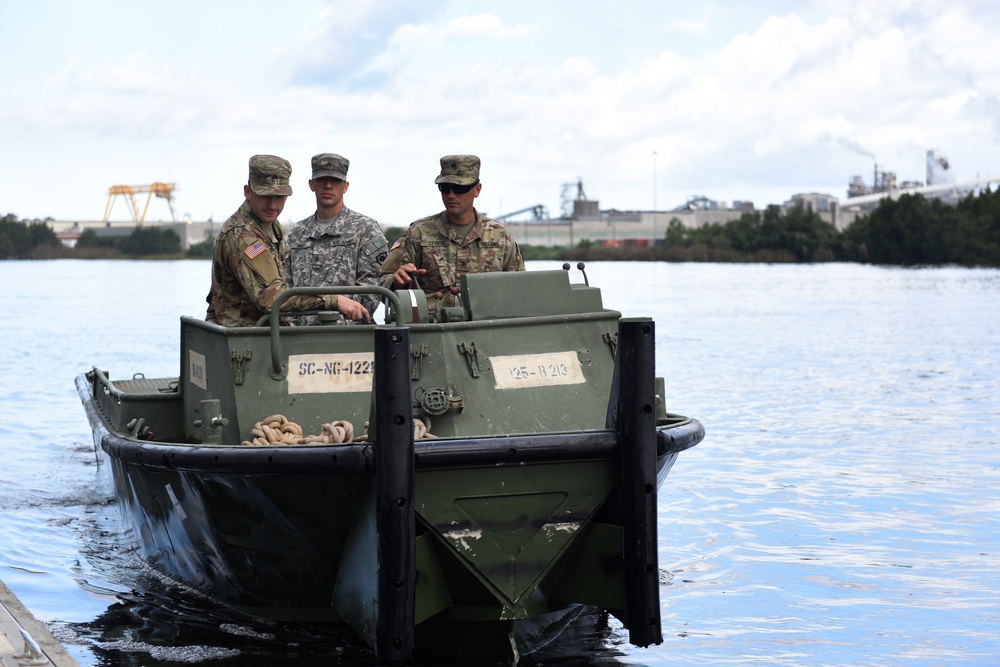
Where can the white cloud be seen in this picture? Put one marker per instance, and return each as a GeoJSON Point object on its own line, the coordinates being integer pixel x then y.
{"type": "Point", "coordinates": [485, 25]}
{"type": "Point", "coordinates": [741, 105]}
{"type": "Point", "coordinates": [688, 26]}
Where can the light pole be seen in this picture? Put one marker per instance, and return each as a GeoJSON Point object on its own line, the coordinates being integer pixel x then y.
{"type": "Point", "coordinates": [654, 197]}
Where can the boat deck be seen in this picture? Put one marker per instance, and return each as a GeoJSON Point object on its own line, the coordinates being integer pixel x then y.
{"type": "Point", "coordinates": [141, 385]}
{"type": "Point", "coordinates": [24, 640]}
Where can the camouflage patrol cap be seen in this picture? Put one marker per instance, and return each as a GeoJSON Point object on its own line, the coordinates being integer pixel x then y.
{"type": "Point", "coordinates": [330, 165]}
{"type": "Point", "coordinates": [459, 170]}
{"type": "Point", "coordinates": [269, 175]}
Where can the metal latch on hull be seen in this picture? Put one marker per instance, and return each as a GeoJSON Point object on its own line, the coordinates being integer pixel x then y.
{"type": "Point", "coordinates": [239, 359]}
{"type": "Point", "coordinates": [418, 354]}
{"type": "Point", "coordinates": [472, 356]}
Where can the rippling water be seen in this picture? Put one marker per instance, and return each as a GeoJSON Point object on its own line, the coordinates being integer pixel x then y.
{"type": "Point", "coordinates": [842, 510]}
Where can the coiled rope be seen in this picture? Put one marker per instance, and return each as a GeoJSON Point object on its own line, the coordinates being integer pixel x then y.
{"type": "Point", "coordinates": [278, 430]}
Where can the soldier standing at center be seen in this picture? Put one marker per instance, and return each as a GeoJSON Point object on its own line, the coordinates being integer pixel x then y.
{"type": "Point", "coordinates": [335, 245]}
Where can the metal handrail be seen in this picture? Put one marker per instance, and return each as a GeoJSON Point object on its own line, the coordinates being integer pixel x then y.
{"type": "Point", "coordinates": [278, 369]}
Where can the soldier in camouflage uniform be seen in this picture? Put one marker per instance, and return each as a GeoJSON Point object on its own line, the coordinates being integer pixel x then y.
{"type": "Point", "coordinates": [335, 245]}
{"type": "Point", "coordinates": [441, 248]}
{"type": "Point", "coordinates": [248, 270]}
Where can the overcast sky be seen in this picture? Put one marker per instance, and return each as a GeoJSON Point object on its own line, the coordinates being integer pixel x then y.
{"type": "Point", "coordinates": [648, 102]}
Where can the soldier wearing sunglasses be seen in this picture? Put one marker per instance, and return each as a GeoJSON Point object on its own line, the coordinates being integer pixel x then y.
{"type": "Point", "coordinates": [441, 248]}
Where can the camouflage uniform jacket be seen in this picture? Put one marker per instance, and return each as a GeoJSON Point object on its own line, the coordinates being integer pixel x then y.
{"type": "Point", "coordinates": [431, 243]}
{"type": "Point", "coordinates": [349, 251]}
{"type": "Point", "coordinates": [248, 273]}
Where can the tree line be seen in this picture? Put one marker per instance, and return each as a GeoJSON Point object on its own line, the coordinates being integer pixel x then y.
{"type": "Point", "coordinates": [910, 231]}
{"type": "Point", "coordinates": [34, 239]}
{"type": "Point", "coordinates": [19, 240]}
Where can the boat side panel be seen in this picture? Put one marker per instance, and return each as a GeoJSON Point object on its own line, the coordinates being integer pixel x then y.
{"type": "Point", "coordinates": [268, 541]}
{"type": "Point", "coordinates": [238, 370]}
{"type": "Point", "coordinates": [533, 376]}
{"type": "Point", "coordinates": [153, 401]}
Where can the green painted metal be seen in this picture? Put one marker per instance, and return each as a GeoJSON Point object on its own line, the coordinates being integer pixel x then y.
{"type": "Point", "coordinates": [510, 527]}
{"type": "Point", "coordinates": [520, 514]}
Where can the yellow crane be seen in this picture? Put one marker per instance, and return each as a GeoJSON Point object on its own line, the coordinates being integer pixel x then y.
{"type": "Point", "coordinates": [161, 190]}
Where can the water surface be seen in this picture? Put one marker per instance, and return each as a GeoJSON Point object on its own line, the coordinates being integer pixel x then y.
{"type": "Point", "coordinates": [842, 510]}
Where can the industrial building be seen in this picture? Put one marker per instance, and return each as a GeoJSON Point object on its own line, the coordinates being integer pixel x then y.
{"type": "Point", "coordinates": [582, 218]}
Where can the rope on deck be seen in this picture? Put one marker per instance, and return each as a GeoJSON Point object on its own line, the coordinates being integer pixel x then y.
{"type": "Point", "coordinates": [278, 430]}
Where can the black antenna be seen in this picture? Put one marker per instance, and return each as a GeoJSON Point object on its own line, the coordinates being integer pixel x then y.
{"type": "Point", "coordinates": [579, 265]}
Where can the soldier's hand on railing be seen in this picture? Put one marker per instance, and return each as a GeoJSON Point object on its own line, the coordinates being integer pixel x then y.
{"type": "Point", "coordinates": [352, 310]}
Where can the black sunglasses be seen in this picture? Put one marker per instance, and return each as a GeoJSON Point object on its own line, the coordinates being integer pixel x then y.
{"type": "Point", "coordinates": [457, 189]}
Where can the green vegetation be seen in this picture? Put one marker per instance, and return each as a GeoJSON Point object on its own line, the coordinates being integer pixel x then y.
{"type": "Point", "coordinates": [202, 249]}
{"type": "Point", "coordinates": [798, 235]}
{"type": "Point", "coordinates": [538, 252]}
{"type": "Point", "coordinates": [910, 231]}
{"type": "Point", "coordinates": [145, 241]}
{"type": "Point", "coordinates": [35, 240]}
{"type": "Point", "coordinates": [915, 230]}
{"type": "Point", "coordinates": [142, 242]}
{"type": "Point", "coordinates": [21, 239]}
{"type": "Point", "coordinates": [90, 239]}
{"type": "Point", "coordinates": [393, 233]}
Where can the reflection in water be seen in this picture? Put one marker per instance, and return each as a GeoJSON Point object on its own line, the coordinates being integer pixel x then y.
{"type": "Point", "coordinates": [170, 626]}
{"type": "Point", "coordinates": [164, 625]}
{"type": "Point", "coordinates": [154, 621]}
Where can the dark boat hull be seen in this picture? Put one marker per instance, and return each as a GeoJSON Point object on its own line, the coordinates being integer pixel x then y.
{"type": "Point", "coordinates": [266, 529]}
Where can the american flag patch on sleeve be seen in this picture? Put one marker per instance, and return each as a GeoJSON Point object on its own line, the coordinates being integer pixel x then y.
{"type": "Point", "coordinates": [255, 249]}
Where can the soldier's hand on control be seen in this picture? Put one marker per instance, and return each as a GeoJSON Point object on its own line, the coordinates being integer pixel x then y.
{"type": "Point", "coordinates": [402, 276]}
{"type": "Point", "coordinates": [352, 310]}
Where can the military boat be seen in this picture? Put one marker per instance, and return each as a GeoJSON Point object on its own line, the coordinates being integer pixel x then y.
{"type": "Point", "coordinates": [460, 482]}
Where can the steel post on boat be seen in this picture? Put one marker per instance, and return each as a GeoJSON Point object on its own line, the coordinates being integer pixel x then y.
{"type": "Point", "coordinates": [394, 634]}
{"type": "Point", "coordinates": [635, 374]}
